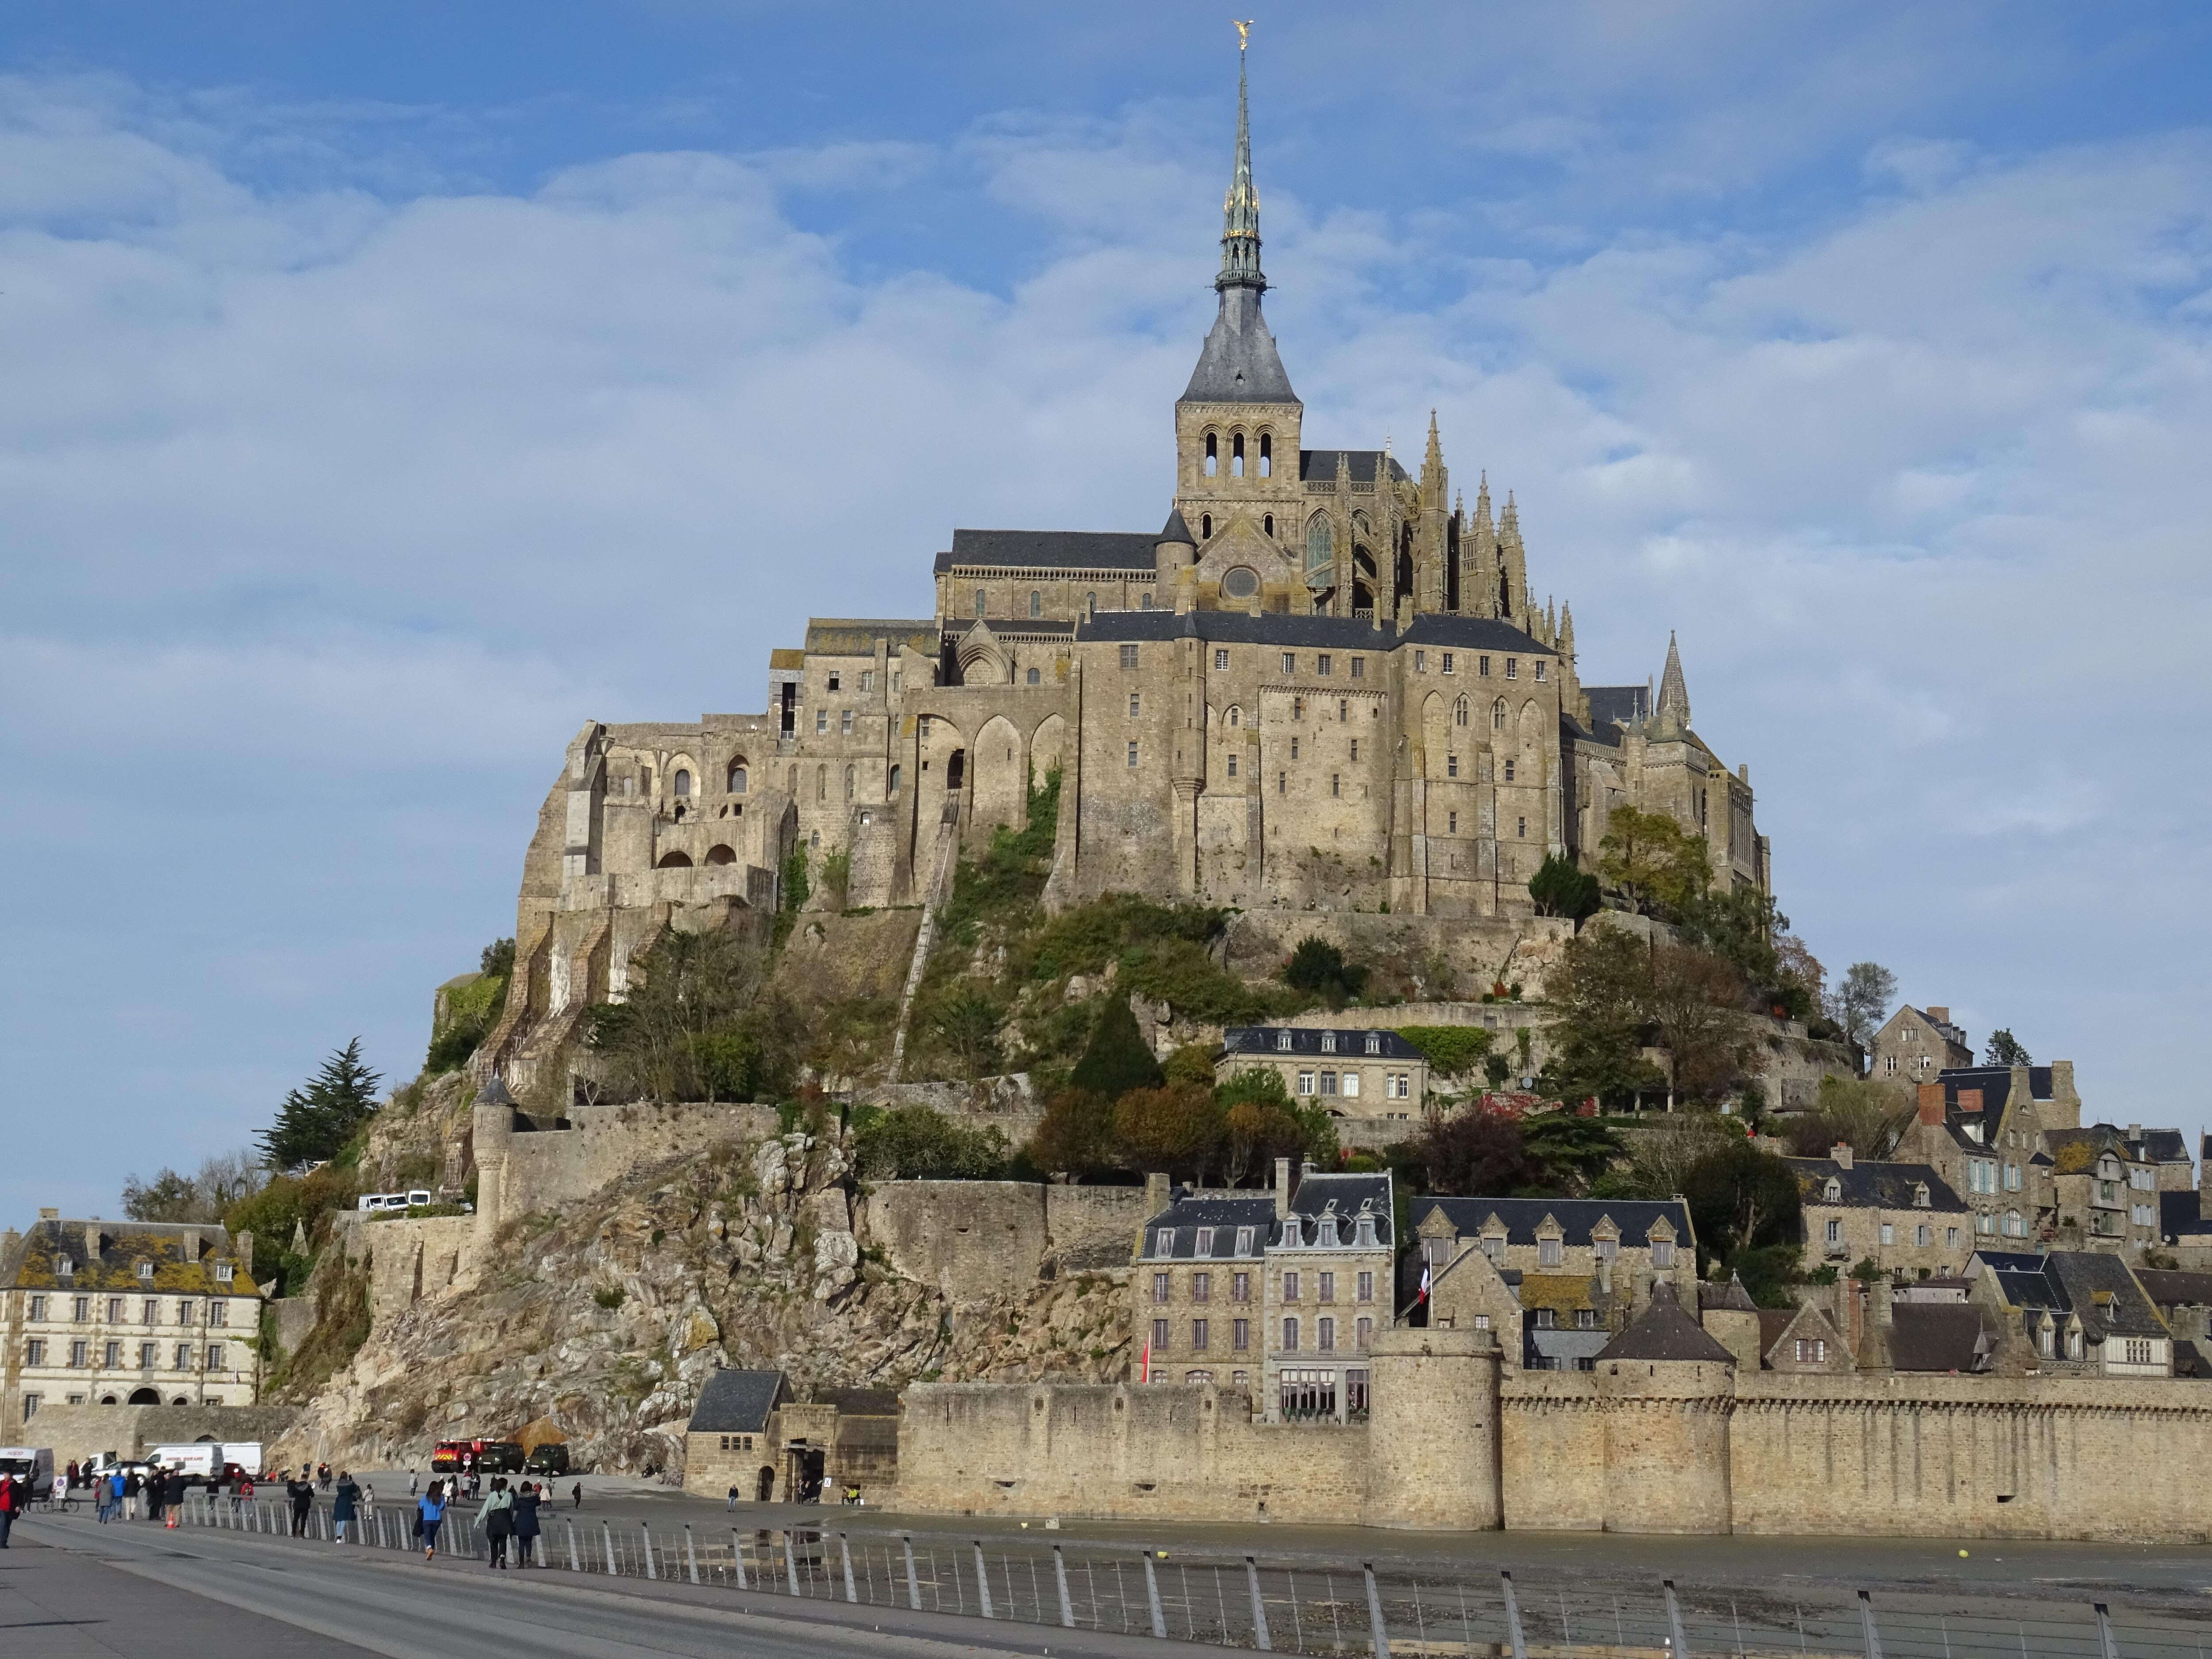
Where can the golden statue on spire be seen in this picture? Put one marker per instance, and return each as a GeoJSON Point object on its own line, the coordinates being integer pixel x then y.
{"type": "Point", "coordinates": [1244, 32]}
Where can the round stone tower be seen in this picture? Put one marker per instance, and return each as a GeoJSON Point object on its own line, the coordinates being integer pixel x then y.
{"type": "Point", "coordinates": [1432, 1430]}
{"type": "Point", "coordinates": [1666, 1389]}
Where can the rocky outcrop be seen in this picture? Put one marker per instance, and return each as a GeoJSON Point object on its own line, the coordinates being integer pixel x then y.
{"type": "Point", "coordinates": [602, 1322]}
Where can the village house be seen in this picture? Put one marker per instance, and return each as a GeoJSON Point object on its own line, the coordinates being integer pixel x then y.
{"type": "Point", "coordinates": [2104, 1188]}
{"type": "Point", "coordinates": [1903, 1218]}
{"type": "Point", "coordinates": [1917, 1044]}
{"type": "Point", "coordinates": [2072, 1313]}
{"type": "Point", "coordinates": [1373, 1073]}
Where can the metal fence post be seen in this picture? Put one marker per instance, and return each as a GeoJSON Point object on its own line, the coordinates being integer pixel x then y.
{"type": "Point", "coordinates": [1674, 1622]}
{"type": "Point", "coordinates": [606, 1534]}
{"type": "Point", "coordinates": [913, 1583]}
{"type": "Point", "coordinates": [650, 1570]}
{"type": "Point", "coordinates": [1060, 1584]}
{"type": "Point", "coordinates": [738, 1557]}
{"type": "Point", "coordinates": [1152, 1596]}
{"type": "Point", "coordinates": [1377, 1632]}
{"type": "Point", "coordinates": [791, 1561]}
{"type": "Point", "coordinates": [845, 1547]}
{"type": "Point", "coordinates": [1873, 1636]}
{"type": "Point", "coordinates": [1259, 1607]}
{"type": "Point", "coordinates": [690, 1555]}
{"type": "Point", "coordinates": [2107, 1644]}
{"type": "Point", "coordinates": [983, 1580]}
{"type": "Point", "coordinates": [1513, 1617]}
{"type": "Point", "coordinates": [574, 1566]}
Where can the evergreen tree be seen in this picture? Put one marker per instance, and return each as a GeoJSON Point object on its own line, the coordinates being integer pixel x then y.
{"type": "Point", "coordinates": [314, 1123]}
{"type": "Point", "coordinates": [2006, 1049]}
{"type": "Point", "coordinates": [1118, 1059]}
{"type": "Point", "coordinates": [1561, 889]}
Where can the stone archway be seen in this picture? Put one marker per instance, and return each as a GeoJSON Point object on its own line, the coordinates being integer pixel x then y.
{"type": "Point", "coordinates": [1001, 776]}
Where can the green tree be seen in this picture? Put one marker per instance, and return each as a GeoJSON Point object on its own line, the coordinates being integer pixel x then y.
{"type": "Point", "coordinates": [1264, 1123]}
{"type": "Point", "coordinates": [1319, 967]}
{"type": "Point", "coordinates": [1742, 927]}
{"type": "Point", "coordinates": [1741, 1199]}
{"type": "Point", "coordinates": [1452, 1051]}
{"type": "Point", "coordinates": [1652, 862]}
{"type": "Point", "coordinates": [685, 991]}
{"type": "Point", "coordinates": [1696, 1002]}
{"type": "Point", "coordinates": [1181, 1130]}
{"type": "Point", "coordinates": [913, 1143]}
{"type": "Point", "coordinates": [1569, 1151]}
{"type": "Point", "coordinates": [1117, 1059]}
{"type": "Point", "coordinates": [966, 1021]}
{"type": "Point", "coordinates": [1193, 1063]}
{"type": "Point", "coordinates": [2005, 1049]}
{"type": "Point", "coordinates": [314, 1123]}
{"type": "Point", "coordinates": [1598, 990]}
{"type": "Point", "coordinates": [1869, 1115]}
{"type": "Point", "coordinates": [1075, 1137]}
{"type": "Point", "coordinates": [1562, 887]}
{"type": "Point", "coordinates": [1862, 999]}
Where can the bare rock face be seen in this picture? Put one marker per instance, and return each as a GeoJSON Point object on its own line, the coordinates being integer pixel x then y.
{"type": "Point", "coordinates": [601, 1325]}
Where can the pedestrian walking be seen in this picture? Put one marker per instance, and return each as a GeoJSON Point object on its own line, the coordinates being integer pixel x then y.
{"type": "Point", "coordinates": [578, 1494]}
{"type": "Point", "coordinates": [341, 1512]}
{"type": "Point", "coordinates": [732, 1504]}
{"type": "Point", "coordinates": [496, 1517]}
{"type": "Point", "coordinates": [157, 1489]}
{"type": "Point", "coordinates": [526, 1524]}
{"type": "Point", "coordinates": [172, 1497]}
{"type": "Point", "coordinates": [411, 1483]}
{"type": "Point", "coordinates": [132, 1486]}
{"type": "Point", "coordinates": [430, 1514]}
{"type": "Point", "coordinates": [302, 1494]}
{"type": "Point", "coordinates": [11, 1498]}
{"type": "Point", "coordinates": [71, 1485]}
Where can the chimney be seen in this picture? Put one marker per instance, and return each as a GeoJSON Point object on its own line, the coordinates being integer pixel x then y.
{"type": "Point", "coordinates": [50, 1215]}
{"type": "Point", "coordinates": [1970, 1100]}
{"type": "Point", "coordinates": [1841, 1151]}
{"type": "Point", "coordinates": [1931, 1103]}
{"type": "Point", "coordinates": [2135, 1132]}
{"type": "Point", "coordinates": [1282, 1186]}
{"type": "Point", "coordinates": [91, 1242]}
{"type": "Point", "coordinates": [2065, 1110]}
{"type": "Point", "coordinates": [241, 1246]}
{"type": "Point", "coordinates": [1157, 1196]}
{"type": "Point", "coordinates": [1940, 1016]}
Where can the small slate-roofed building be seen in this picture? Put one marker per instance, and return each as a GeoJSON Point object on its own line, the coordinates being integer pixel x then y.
{"type": "Point", "coordinates": [2105, 1187]}
{"type": "Point", "coordinates": [1373, 1073]}
{"type": "Point", "coordinates": [1903, 1218]}
{"type": "Point", "coordinates": [1198, 1303]}
{"type": "Point", "coordinates": [1917, 1044]}
{"type": "Point", "coordinates": [1664, 1334]}
{"type": "Point", "coordinates": [729, 1441]}
{"type": "Point", "coordinates": [2072, 1312]}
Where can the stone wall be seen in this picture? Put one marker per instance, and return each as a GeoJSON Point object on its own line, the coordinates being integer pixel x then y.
{"type": "Point", "coordinates": [970, 1239]}
{"type": "Point", "coordinates": [77, 1432]}
{"type": "Point", "coordinates": [410, 1260]}
{"type": "Point", "coordinates": [1094, 1227]}
{"type": "Point", "coordinates": [548, 1169]}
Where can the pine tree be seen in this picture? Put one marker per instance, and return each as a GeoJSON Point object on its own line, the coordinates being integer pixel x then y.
{"type": "Point", "coordinates": [314, 1123]}
{"type": "Point", "coordinates": [1118, 1058]}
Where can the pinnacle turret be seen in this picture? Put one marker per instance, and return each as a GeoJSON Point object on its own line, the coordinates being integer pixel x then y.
{"type": "Point", "coordinates": [1674, 691]}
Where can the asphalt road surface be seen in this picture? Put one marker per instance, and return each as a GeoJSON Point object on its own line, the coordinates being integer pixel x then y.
{"type": "Point", "coordinates": [70, 1589]}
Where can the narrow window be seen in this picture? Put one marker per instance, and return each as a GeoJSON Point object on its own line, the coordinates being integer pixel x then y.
{"type": "Point", "coordinates": [1037, 603]}
{"type": "Point", "coordinates": [1268, 466]}
{"type": "Point", "coordinates": [737, 777]}
{"type": "Point", "coordinates": [1133, 704]}
{"type": "Point", "coordinates": [1420, 662]}
{"type": "Point", "coordinates": [1268, 521]}
{"type": "Point", "coordinates": [1523, 831]}
{"type": "Point", "coordinates": [1322, 662]}
{"type": "Point", "coordinates": [1133, 758]}
{"type": "Point", "coordinates": [1509, 771]}
{"type": "Point", "coordinates": [1198, 1333]}
{"type": "Point", "coordinates": [1232, 766]}
{"type": "Point", "coordinates": [848, 783]}
{"type": "Point", "coordinates": [821, 722]}
{"type": "Point", "coordinates": [1498, 715]}
{"type": "Point", "coordinates": [1213, 455]}
{"type": "Point", "coordinates": [1451, 766]}
{"type": "Point", "coordinates": [1448, 662]}
{"type": "Point", "coordinates": [1540, 671]}
{"type": "Point", "coordinates": [1221, 661]}
{"type": "Point", "coordinates": [1334, 787]}
{"type": "Point", "coordinates": [1145, 603]}
{"type": "Point", "coordinates": [1355, 749]}
{"type": "Point", "coordinates": [1290, 1335]}
{"type": "Point", "coordinates": [983, 601]}
{"type": "Point", "coordinates": [1294, 748]}
{"type": "Point", "coordinates": [1482, 667]}
{"type": "Point", "coordinates": [1359, 668]}
{"type": "Point", "coordinates": [1460, 712]}
{"type": "Point", "coordinates": [895, 780]}
{"type": "Point", "coordinates": [1089, 605]}
{"type": "Point", "coordinates": [1034, 677]}
{"type": "Point", "coordinates": [821, 783]}
{"type": "Point", "coordinates": [1282, 783]}
{"type": "Point", "coordinates": [1451, 824]}
{"type": "Point", "coordinates": [1240, 1333]}
{"type": "Point", "coordinates": [1298, 713]}
{"type": "Point", "coordinates": [1237, 456]}
{"type": "Point", "coordinates": [1236, 715]}
{"type": "Point", "coordinates": [1159, 1336]}
{"type": "Point", "coordinates": [1512, 667]}
{"type": "Point", "coordinates": [844, 729]}
{"type": "Point", "coordinates": [1205, 526]}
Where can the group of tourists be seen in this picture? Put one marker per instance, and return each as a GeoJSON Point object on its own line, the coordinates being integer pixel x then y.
{"type": "Point", "coordinates": [508, 1516]}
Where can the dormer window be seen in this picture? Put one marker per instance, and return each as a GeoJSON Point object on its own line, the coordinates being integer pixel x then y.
{"type": "Point", "coordinates": [1282, 1043]}
{"type": "Point", "coordinates": [146, 1271]}
{"type": "Point", "coordinates": [1204, 1242]}
{"type": "Point", "coordinates": [1328, 1239]}
{"type": "Point", "coordinates": [1374, 1043]}
{"type": "Point", "coordinates": [1920, 1195]}
{"type": "Point", "coordinates": [1493, 1246]}
{"type": "Point", "coordinates": [1244, 1236]}
{"type": "Point", "coordinates": [1290, 1231]}
{"type": "Point", "coordinates": [1163, 1242]}
{"type": "Point", "coordinates": [1550, 1252]}
{"type": "Point", "coordinates": [1663, 1252]}
{"type": "Point", "coordinates": [63, 1267]}
{"type": "Point", "coordinates": [1973, 1132]}
{"type": "Point", "coordinates": [223, 1273]}
{"type": "Point", "coordinates": [1834, 1190]}
{"type": "Point", "coordinates": [1328, 1042]}
{"type": "Point", "coordinates": [1363, 1232]}
{"type": "Point", "coordinates": [1606, 1248]}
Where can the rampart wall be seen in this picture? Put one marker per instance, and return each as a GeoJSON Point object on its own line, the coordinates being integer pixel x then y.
{"type": "Point", "coordinates": [548, 1168]}
{"type": "Point", "coordinates": [976, 1238]}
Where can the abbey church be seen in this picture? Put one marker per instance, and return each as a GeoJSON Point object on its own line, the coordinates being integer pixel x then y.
{"type": "Point", "coordinates": [1323, 682]}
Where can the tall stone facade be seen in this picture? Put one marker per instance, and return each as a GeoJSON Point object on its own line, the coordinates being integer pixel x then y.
{"type": "Point", "coordinates": [1325, 684]}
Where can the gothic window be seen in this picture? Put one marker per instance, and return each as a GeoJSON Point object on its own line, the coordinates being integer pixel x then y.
{"type": "Point", "coordinates": [682, 781]}
{"type": "Point", "coordinates": [1460, 712]}
{"type": "Point", "coordinates": [895, 779]}
{"type": "Point", "coordinates": [1320, 553]}
{"type": "Point", "coordinates": [1213, 455]}
{"type": "Point", "coordinates": [1266, 521]}
{"type": "Point", "coordinates": [821, 783]}
{"type": "Point", "coordinates": [1498, 715]}
{"type": "Point", "coordinates": [1205, 526]}
{"type": "Point", "coordinates": [737, 777]}
{"type": "Point", "coordinates": [1145, 603]}
{"type": "Point", "coordinates": [1037, 603]}
{"type": "Point", "coordinates": [1268, 466]}
{"type": "Point", "coordinates": [1034, 678]}
{"type": "Point", "coordinates": [1236, 715]}
{"type": "Point", "coordinates": [1237, 456]}
{"type": "Point", "coordinates": [848, 783]}
{"type": "Point", "coordinates": [982, 602]}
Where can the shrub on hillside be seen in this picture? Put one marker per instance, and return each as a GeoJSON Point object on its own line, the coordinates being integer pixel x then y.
{"type": "Point", "coordinates": [913, 1143]}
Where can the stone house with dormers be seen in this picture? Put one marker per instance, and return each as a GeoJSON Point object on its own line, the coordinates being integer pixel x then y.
{"type": "Point", "coordinates": [2071, 1313]}
{"type": "Point", "coordinates": [2104, 1188]}
{"type": "Point", "coordinates": [127, 1313]}
{"type": "Point", "coordinates": [1372, 1074]}
{"type": "Point", "coordinates": [1982, 1129]}
{"type": "Point", "coordinates": [1917, 1045]}
{"type": "Point", "coordinates": [1551, 1278]}
{"type": "Point", "coordinates": [1903, 1218]}
{"type": "Point", "coordinates": [1280, 1294]}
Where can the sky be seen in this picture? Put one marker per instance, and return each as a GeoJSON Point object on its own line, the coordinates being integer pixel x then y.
{"type": "Point", "coordinates": [390, 390]}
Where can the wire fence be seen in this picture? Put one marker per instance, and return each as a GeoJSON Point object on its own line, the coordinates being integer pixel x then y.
{"type": "Point", "coordinates": [1238, 1600]}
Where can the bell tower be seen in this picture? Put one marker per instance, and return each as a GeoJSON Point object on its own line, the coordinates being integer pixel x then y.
{"type": "Point", "coordinates": [1237, 423]}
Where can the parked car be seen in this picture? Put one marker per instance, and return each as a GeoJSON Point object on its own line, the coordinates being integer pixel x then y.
{"type": "Point", "coordinates": [552, 1458]}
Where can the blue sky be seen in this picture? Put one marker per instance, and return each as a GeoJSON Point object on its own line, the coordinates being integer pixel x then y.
{"type": "Point", "coordinates": [392, 388]}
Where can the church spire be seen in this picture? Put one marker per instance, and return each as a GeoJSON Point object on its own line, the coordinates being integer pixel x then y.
{"type": "Point", "coordinates": [1674, 692]}
{"type": "Point", "coordinates": [1240, 209]}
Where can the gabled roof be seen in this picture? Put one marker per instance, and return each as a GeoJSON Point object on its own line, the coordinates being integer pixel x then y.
{"type": "Point", "coordinates": [1576, 1216]}
{"type": "Point", "coordinates": [1319, 465]}
{"type": "Point", "coordinates": [1996, 1084]}
{"type": "Point", "coordinates": [1731, 1297]}
{"type": "Point", "coordinates": [1868, 1184]}
{"type": "Point", "coordinates": [2170, 1289]}
{"type": "Point", "coordinates": [106, 1256]}
{"type": "Point", "coordinates": [1351, 1044]}
{"type": "Point", "coordinates": [2097, 1289]}
{"type": "Point", "coordinates": [2162, 1147]}
{"type": "Point", "coordinates": [1349, 1194]}
{"type": "Point", "coordinates": [738, 1401]}
{"type": "Point", "coordinates": [1938, 1336]}
{"type": "Point", "coordinates": [1052, 549]}
{"type": "Point", "coordinates": [1663, 1331]}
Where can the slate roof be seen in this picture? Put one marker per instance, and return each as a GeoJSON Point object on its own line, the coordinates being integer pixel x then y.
{"type": "Point", "coordinates": [738, 1402]}
{"type": "Point", "coordinates": [184, 1256]}
{"type": "Point", "coordinates": [1348, 1191]}
{"type": "Point", "coordinates": [1575, 1216]}
{"type": "Point", "coordinates": [1239, 363]}
{"type": "Point", "coordinates": [1996, 1084]}
{"type": "Point", "coordinates": [856, 636]}
{"type": "Point", "coordinates": [1663, 1331]}
{"type": "Point", "coordinates": [1189, 1213]}
{"type": "Point", "coordinates": [1731, 1295]}
{"type": "Point", "coordinates": [1350, 1045]}
{"type": "Point", "coordinates": [1938, 1336]}
{"type": "Point", "coordinates": [1274, 628]}
{"type": "Point", "coordinates": [2162, 1147]}
{"type": "Point", "coordinates": [1871, 1184]}
{"type": "Point", "coordinates": [2096, 1288]}
{"type": "Point", "coordinates": [1175, 530]}
{"type": "Point", "coordinates": [1440, 628]}
{"type": "Point", "coordinates": [1319, 465]}
{"type": "Point", "coordinates": [1051, 550]}
{"type": "Point", "coordinates": [2168, 1288]}
{"type": "Point", "coordinates": [2178, 1218]}
{"type": "Point", "coordinates": [1619, 704]}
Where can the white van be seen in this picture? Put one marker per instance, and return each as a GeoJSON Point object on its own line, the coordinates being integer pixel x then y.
{"type": "Point", "coordinates": [31, 1464]}
{"type": "Point", "coordinates": [197, 1461]}
{"type": "Point", "coordinates": [408, 1201]}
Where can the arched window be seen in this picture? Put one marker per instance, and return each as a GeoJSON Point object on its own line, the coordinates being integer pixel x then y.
{"type": "Point", "coordinates": [821, 783]}
{"type": "Point", "coordinates": [848, 783]}
{"type": "Point", "coordinates": [1267, 523]}
{"type": "Point", "coordinates": [1034, 678]}
{"type": "Point", "coordinates": [814, 840]}
{"type": "Point", "coordinates": [1266, 459]}
{"type": "Point", "coordinates": [1213, 455]}
{"type": "Point", "coordinates": [982, 602]}
{"type": "Point", "coordinates": [895, 779]}
{"type": "Point", "coordinates": [1237, 456]}
{"type": "Point", "coordinates": [682, 781]}
{"type": "Point", "coordinates": [1320, 553]}
{"type": "Point", "coordinates": [1498, 715]}
{"type": "Point", "coordinates": [1037, 603]}
{"type": "Point", "coordinates": [1236, 715]}
{"type": "Point", "coordinates": [737, 777]}
{"type": "Point", "coordinates": [1205, 526]}
{"type": "Point", "coordinates": [1145, 603]}
{"type": "Point", "coordinates": [1461, 710]}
